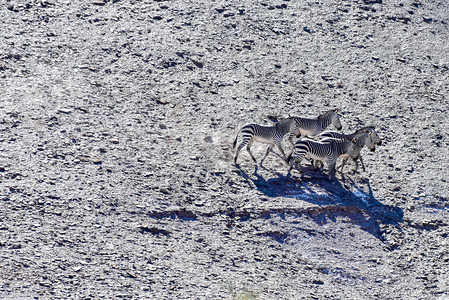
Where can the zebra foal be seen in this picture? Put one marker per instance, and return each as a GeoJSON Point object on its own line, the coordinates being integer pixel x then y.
{"type": "Point", "coordinates": [271, 135]}
{"type": "Point", "coordinates": [326, 150]}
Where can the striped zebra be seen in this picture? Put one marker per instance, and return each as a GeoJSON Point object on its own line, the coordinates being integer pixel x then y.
{"type": "Point", "coordinates": [328, 150]}
{"type": "Point", "coordinates": [375, 139]}
{"type": "Point", "coordinates": [314, 126]}
{"type": "Point", "coordinates": [271, 135]}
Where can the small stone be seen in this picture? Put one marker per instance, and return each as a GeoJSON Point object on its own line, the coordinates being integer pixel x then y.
{"type": "Point", "coordinates": [98, 2]}
{"type": "Point", "coordinates": [427, 19]}
{"type": "Point", "coordinates": [162, 126]}
{"type": "Point", "coordinates": [197, 63]}
{"type": "Point", "coordinates": [114, 141]}
{"type": "Point", "coordinates": [96, 161]}
{"type": "Point", "coordinates": [64, 110]}
{"type": "Point", "coordinates": [83, 109]}
{"type": "Point", "coordinates": [164, 191]}
{"type": "Point", "coordinates": [77, 268]}
{"type": "Point", "coordinates": [162, 101]}
{"type": "Point", "coordinates": [45, 283]}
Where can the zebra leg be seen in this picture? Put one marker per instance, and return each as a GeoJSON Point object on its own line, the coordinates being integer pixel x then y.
{"type": "Point", "coordinates": [266, 154]}
{"type": "Point", "coordinates": [290, 139]}
{"type": "Point", "coordinates": [343, 163]}
{"type": "Point", "coordinates": [245, 142]}
{"type": "Point", "coordinates": [357, 164]}
{"type": "Point", "coordinates": [238, 150]}
{"type": "Point", "coordinates": [297, 166]}
{"type": "Point", "coordinates": [248, 148]}
{"type": "Point", "coordinates": [331, 166]}
{"type": "Point", "coordinates": [282, 151]}
{"type": "Point", "coordinates": [293, 162]}
{"type": "Point", "coordinates": [316, 162]}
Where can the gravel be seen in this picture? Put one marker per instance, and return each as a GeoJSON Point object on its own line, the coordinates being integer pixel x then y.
{"type": "Point", "coordinates": [116, 162]}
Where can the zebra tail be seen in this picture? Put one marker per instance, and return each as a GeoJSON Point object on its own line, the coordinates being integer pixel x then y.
{"type": "Point", "coordinates": [235, 140]}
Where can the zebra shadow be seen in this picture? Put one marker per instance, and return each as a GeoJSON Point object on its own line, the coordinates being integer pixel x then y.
{"type": "Point", "coordinates": [338, 196]}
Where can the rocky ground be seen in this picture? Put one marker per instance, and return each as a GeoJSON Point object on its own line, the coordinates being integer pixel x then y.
{"type": "Point", "coordinates": [116, 172]}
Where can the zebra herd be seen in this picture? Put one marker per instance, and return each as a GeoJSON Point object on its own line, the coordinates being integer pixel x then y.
{"type": "Point", "coordinates": [313, 141]}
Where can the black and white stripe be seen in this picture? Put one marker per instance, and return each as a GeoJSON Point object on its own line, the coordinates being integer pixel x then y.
{"type": "Point", "coordinates": [271, 135]}
{"type": "Point", "coordinates": [327, 150]}
{"type": "Point", "coordinates": [314, 126]}
{"type": "Point", "coordinates": [373, 136]}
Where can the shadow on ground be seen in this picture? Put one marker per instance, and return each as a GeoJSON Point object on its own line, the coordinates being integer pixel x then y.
{"type": "Point", "coordinates": [334, 198]}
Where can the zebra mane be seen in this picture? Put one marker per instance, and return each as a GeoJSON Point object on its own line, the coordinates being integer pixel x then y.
{"type": "Point", "coordinates": [364, 129]}
{"type": "Point", "coordinates": [358, 135]}
{"type": "Point", "coordinates": [327, 113]}
{"type": "Point", "coordinates": [279, 119]}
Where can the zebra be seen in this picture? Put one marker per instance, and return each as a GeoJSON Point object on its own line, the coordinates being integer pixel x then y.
{"type": "Point", "coordinates": [271, 135]}
{"type": "Point", "coordinates": [328, 150]}
{"type": "Point", "coordinates": [313, 127]}
{"type": "Point", "coordinates": [337, 135]}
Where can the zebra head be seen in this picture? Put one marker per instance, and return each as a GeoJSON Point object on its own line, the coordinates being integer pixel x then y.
{"type": "Point", "coordinates": [372, 132]}
{"type": "Point", "coordinates": [336, 120]}
{"type": "Point", "coordinates": [375, 137]}
{"type": "Point", "coordinates": [330, 117]}
{"type": "Point", "coordinates": [365, 139]}
{"type": "Point", "coordinates": [369, 141]}
{"type": "Point", "coordinates": [365, 129]}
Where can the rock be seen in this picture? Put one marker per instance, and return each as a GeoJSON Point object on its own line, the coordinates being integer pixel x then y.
{"type": "Point", "coordinates": [162, 101]}
{"type": "Point", "coordinates": [77, 268]}
{"type": "Point", "coordinates": [427, 19]}
{"type": "Point", "coordinates": [99, 2]}
{"type": "Point", "coordinates": [96, 161]}
{"type": "Point", "coordinates": [197, 63]}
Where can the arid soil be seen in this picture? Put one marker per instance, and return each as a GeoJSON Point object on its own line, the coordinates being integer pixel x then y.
{"type": "Point", "coordinates": [116, 167]}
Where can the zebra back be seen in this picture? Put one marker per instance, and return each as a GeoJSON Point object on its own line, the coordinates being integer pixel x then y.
{"type": "Point", "coordinates": [339, 135]}
{"type": "Point", "coordinates": [248, 131]}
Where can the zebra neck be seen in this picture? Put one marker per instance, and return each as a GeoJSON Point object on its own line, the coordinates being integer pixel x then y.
{"type": "Point", "coordinates": [325, 121]}
{"type": "Point", "coordinates": [285, 126]}
{"type": "Point", "coordinates": [360, 141]}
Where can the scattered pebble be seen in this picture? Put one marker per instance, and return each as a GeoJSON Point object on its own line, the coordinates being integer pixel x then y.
{"type": "Point", "coordinates": [64, 110]}
{"type": "Point", "coordinates": [98, 2]}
